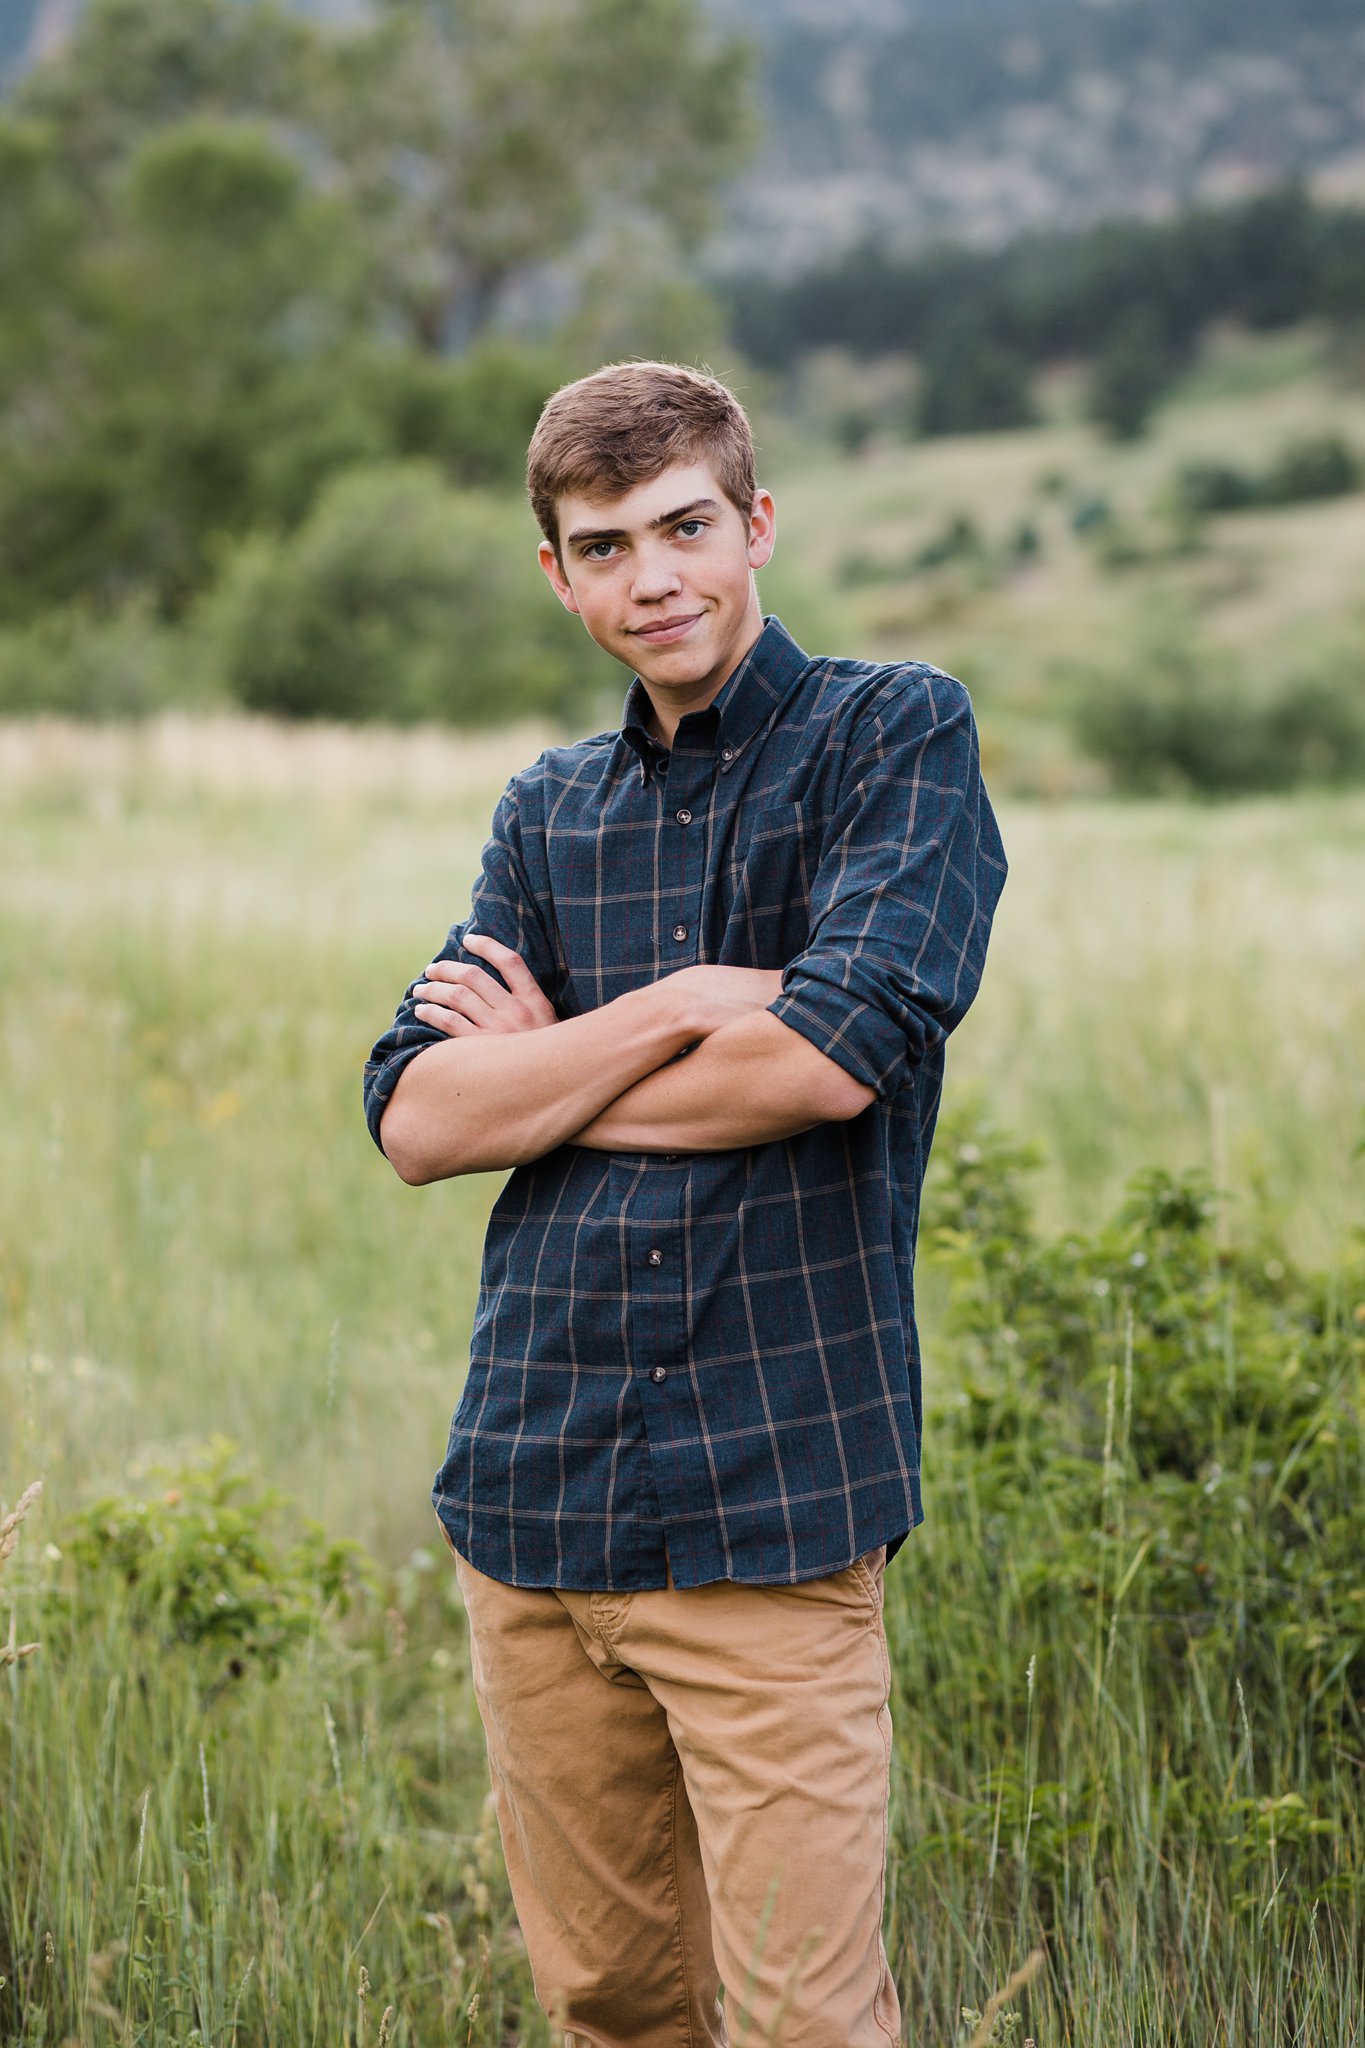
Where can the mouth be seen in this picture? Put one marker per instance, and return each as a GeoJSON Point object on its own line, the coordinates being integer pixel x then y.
{"type": "Point", "coordinates": [665, 631]}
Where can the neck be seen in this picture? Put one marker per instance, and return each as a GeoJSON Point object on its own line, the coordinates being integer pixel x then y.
{"type": "Point", "coordinates": [671, 703]}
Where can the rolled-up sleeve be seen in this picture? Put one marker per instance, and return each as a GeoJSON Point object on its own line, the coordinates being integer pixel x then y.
{"type": "Point", "coordinates": [503, 906]}
{"type": "Point", "coordinates": [905, 888]}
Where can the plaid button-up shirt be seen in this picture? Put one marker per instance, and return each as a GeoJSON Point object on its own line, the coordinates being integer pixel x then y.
{"type": "Point", "coordinates": [709, 1362]}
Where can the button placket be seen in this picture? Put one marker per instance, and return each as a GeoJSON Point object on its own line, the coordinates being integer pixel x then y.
{"type": "Point", "coordinates": [689, 784]}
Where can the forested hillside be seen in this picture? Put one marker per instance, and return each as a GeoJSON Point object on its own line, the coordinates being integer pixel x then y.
{"type": "Point", "coordinates": [980, 121]}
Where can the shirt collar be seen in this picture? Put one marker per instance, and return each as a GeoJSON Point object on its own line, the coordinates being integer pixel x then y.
{"type": "Point", "coordinates": [741, 707]}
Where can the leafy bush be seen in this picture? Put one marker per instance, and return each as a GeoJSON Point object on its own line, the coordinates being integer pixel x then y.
{"type": "Point", "coordinates": [75, 663]}
{"type": "Point", "coordinates": [1091, 514]}
{"type": "Point", "coordinates": [1203, 487]}
{"type": "Point", "coordinates": [1319, 466]}
{"type": "Point", "coordinates": [402, 599]}
{"type": "Point", "coordinates": [1316, 466]}
{"type": "Point", "coordinates": [1202, 1400]}
{"type": "Point", "coordinates": [206, 1563]}
{"type": "Point", "coordinates": [1179, 719]}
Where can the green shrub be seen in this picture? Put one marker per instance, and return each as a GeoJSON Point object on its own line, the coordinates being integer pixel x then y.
{"type": "Point", "coordinates": [958, 539]}
{"type": "Point", "coordinates": [1204, 487]}
{"type": "Point", "coordinates": [75, 663]}
{"type": "Point", "coordinates": [210, 1562]}
{"type": "Point", "coordinates": [1091, 514]}
{"type": "Point", "coordinates": [398, 598]}
{"type": "Point", "coordinates": [1180, 719]}
{"type": "Point", "coordinates": [1318, 466]}
{"type": "Point", "coordinates": [1197, 1397]}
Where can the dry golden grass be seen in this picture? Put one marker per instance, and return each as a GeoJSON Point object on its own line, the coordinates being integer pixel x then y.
{"type": "Point", "coordinates": [12, 1650]}
{"type": "Point", "coordinates": [231, 754]}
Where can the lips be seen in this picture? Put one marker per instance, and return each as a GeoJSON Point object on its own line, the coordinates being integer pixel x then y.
{"type": "Point", "coordinates": [665, 631]}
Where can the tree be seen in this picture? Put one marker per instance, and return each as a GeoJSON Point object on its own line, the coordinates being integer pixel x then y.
{"type": "Point", "coordinates": [1130, 373]}
{"type": "Point", "coordinates": [971, 386]}
{"type": "Point", "coordinates": [240, 251]}
{"type": "Point", "coordinates": [205, 377]}
{"type": "Point", "coordinates": [479, 142]}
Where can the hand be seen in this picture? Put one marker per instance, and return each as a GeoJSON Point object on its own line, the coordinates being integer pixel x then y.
{"type": "Point", "coordinates": [721, 994]}
{"type": "Point", "coordinates": [459, 999]}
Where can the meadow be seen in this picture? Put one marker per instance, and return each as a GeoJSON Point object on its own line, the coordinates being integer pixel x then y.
{"type": "Point", "coordinates": [1044, 565]}
{"type": "Point", "coordinates": [242, 1778]}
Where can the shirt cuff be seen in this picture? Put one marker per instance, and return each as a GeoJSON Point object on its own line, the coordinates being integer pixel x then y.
{"type": "Point", "coordinates": [856, 1035]}
{"type": "Point", "coordinates": [382, 1078]}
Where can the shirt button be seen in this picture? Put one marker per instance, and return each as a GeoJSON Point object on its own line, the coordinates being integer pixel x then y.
{"type": "Point", "coordinates": [669, 1158]}
{"type": "Point", "coordinates": [683, 817]}
{"type": "Point", "coordinates": [659, 1375]}
{"type": "Point", "coordinates": [727, 753]}
{"type": "Point", "coordinates": [656, 1257]}
{"type": "Point", "coordinates": [680, 932]}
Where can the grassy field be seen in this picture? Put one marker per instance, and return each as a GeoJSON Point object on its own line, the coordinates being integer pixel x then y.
{"type": "Point", "coordinates": [201, 930]}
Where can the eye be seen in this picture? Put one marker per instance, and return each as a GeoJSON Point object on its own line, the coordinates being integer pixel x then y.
{"type": "Point", "coordinates": [690, 528]}
{"type": "Point", "coordinates": [590, 552]}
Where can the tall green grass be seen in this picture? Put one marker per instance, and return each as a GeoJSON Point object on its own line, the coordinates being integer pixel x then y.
{"type": "Point", "coordinates": [200, 933]}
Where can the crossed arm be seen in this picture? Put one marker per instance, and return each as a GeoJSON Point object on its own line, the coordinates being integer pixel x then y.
{"type": "Point", "coordinates": [511, 1081]}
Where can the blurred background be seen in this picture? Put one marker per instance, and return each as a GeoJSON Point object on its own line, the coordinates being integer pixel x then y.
{"type": "Point", "coordinates": [1050, 315]}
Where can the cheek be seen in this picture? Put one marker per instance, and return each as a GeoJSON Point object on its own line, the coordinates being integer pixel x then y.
{"type": "Point", "coordinates": [599, 608]}
{"type": "Point", "coordinates": [587, 596]}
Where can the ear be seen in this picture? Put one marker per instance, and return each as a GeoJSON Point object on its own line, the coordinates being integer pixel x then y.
{"type": "Point", "coordinates": [762, 529]}
{"type": "Point", "coordinates": [559, 582]}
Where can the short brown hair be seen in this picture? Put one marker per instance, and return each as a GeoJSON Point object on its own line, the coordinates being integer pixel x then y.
{"type": "Point", "coordinates": [626, 424]}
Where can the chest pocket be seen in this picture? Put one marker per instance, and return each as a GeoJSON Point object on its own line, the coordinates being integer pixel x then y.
{"type": "Point", "coordinates": [765, 884]}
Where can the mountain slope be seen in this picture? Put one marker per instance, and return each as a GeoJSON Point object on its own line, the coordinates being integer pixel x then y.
{"type": "Point", "coordinates": [990, 119]}
{"type": "Point", "coordinates": [975, 120]}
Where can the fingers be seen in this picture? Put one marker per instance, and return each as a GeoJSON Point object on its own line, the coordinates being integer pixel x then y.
{"type": "Point", "coordinates": [448, 1021]}
{"type": "Point", "coordinates": [457, 988]}
{"type": "Point", "coordinates": [516, 974]}
{"type": "Point", "coordinates": [454, 988]}
{"type": "Point", "coordinates": [509, 963]}
{"type": "Point", "coordinates": [457, 983]}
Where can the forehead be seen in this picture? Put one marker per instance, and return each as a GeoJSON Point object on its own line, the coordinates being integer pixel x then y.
{"type": "Point", "coordinates": [635, 510]}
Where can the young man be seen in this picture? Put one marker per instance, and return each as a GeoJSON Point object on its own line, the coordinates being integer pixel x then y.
{"type": "Point", "coordinates": [699, 1008]}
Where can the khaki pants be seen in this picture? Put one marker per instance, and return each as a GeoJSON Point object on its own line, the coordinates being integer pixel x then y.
{"type": "Point", "coordinates": [691, 1788]}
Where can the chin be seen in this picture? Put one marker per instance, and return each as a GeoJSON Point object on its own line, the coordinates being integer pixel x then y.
{"type": "Point", "coordinates": [678, 674]}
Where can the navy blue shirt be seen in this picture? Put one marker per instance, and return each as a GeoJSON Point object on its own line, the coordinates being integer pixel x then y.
{"type": "Point", "coordinates": [709, 1362]}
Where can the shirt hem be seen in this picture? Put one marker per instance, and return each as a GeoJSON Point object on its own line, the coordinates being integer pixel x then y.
{"type": "Point", "coordinates": [492, 1566]}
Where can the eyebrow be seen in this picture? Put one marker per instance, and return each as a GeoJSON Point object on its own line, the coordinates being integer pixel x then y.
{"type": "Point", "coordinates": [581, 534]}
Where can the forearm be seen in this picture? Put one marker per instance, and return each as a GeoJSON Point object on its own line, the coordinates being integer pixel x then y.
{"type": "Point", "coordinates": [752, 1081]}
{"type": "Point", "coordinates": [488, 1100]}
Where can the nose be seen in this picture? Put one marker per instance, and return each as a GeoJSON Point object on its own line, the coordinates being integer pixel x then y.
{"type": "Point", "coordinates": [653, 575]}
